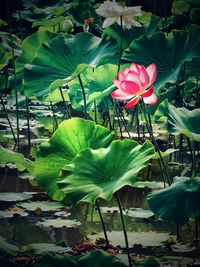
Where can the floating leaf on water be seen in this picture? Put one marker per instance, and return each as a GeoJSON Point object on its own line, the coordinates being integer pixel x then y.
{"type": "Point", "coordinates": [9, 213]}
{"type": "Point", "coordinates": [183, 248]}
{"type": "Point", "coordinates": [9, 196]}
{"type": "Point", "coordinates": [42, 205]}
{"type": "Point", "coordinates": [39, 140]}
{"type": "Point", "coordinates": [109, 209]}
{"type": "Point", "coordinates": [40, 248]}
{"type": "Point", "coordinates": [139, 213]}
{"type": "Point", "coordinates": [59, 223]}
{"type": "Point", "coordinates": [150, 238]}
{"type": "Point", "coordinates": [148, 184]}
{"type": "Point", "coordinates": [26, 176]}
{"type": "Point", "coordinates": [10, 136]}
{"type": "Point", "coordinates": [62, 214]}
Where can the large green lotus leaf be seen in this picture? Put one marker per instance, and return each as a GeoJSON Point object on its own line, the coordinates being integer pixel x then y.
{"type": "Point", "coordinates": [29, 48]}
{"type": "Point", "coordinates": [9, 156]}
{"type": "Point", "coordinates": [100, 173]}
{"type": "Point", "coordinates": [160, 8]}
{"type": "Point", "coordinates": [56, 260]}
{"type": "Point", "coordinates": [98, 86]}
{"type": "Point", "coordinates": [62, 59]}
{"type": "Point", "coordinates": [69, 139]}
{"type": "Point", "coordinates": [48, 22]}
{"type": "Point", "coordinates": [179, 120]}
{"type": "Point", "coordinates": [115, 31]}
{"type": "Point", "coordinates": [168, 53]}
{"type": "Point", "coordinates": [56, 97]}
{"type": "Point", "coordinates": [178, 202]}
{"type": "Point", "coordinates": [8, 43]}
{"type": "Point", "coordinates": [180, 6]}
{"type": "Point", "coordinates": [4, 57]}
{"type": "Point", "coordinates": [30, 45]}
{"type": "Point", "coordinates": [194, 15]}
{"type": "Point", "coordinates": [87, 260]}
{"type": "Point", "coordinates": [39, 10]}
{"type": "Point", "coordinates": [104, 259]}
{"type": "Point", "coordinates": [192, 68]}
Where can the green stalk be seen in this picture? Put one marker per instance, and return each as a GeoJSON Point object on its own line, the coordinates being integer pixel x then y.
{"type": "Point", "coordinates": [124, 229]}
{"type": "Point", "coordinates": [154, 142]}
{"type": "Point", "coordinates": [66, 106]}
{"type": "Point", "coordinates": [118, 69]}
{"type": "Point", "coordinates": [14, 73]}
{"type": "Point", "coordinates": [6, 114]}
{"type": "Point", "coordinates": [54, 116]}
{"type": "Point", "coordinates": [109, 119]}
{"type": "Point", "coordinates": [121, 44]}
{"type": "Point", "coordinates": [95, 111]}
{"type": "Point", "coordinates": [102, 222]}
{"type": "Point", "coordinates": [28, 123]}
{"type": "Point", "coordinates": [138, 122]}
{"type": "Point", "coordinates": [84, 97]}
{"type": "Point", "coordinates": [193, 158]}
{"type": "Point", "coordinates": [123, 119]}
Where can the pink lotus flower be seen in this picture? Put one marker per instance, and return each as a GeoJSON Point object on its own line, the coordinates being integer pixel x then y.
{"type": "Point", "coordinates": [134, 83]}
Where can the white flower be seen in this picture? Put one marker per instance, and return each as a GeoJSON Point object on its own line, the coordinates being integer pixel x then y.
{"type": "Point", "coordinates": [113, 12]}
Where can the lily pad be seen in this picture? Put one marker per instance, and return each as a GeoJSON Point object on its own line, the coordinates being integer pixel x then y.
{"type": "Point", "coordinates": [140, 213]}
{"type": "Point", "coordinates": [14, 197]}
{"type": "Point", "coordinates": [10, 213]}
{"type": "Point", "coordinates": [146, 239]}
{"type": "Point", "coordinates": [40, 248]}
{"type": "Point", "coordinates": [69, 139]}
{"type": "Point", "coordinates": [59, 223]}
{"type": "Point", "coordinates": [149, 184]}
{"type": "Point", "coordinates": [85, 180]}
{"type": "Point", "coordinates": [111, 210]}
{"type": "Point", "coordinates": [45, 206]}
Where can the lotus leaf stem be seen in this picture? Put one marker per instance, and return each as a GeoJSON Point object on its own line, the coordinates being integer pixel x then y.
{"type": "Point", "coordinates": [102, 222]}
{"type": "Point", "coordinates": [124, 229]}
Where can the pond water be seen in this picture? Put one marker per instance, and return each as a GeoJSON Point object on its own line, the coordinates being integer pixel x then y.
{"type": "Point", "coordinates": [40, 221]}
{"type": "Point", "coordinates": [34, 220]}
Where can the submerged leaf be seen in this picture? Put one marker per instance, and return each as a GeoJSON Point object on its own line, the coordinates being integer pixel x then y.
{"type": "Point", "coordinates": [100, 173]}
{"type": "Point", "coordinates": [69, 139]}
